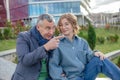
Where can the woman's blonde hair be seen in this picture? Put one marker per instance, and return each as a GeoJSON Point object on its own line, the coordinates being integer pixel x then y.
{"type": "Point", "coordinates": [72, 19]}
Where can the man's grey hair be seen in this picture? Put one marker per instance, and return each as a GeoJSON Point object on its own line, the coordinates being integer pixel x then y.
{"type": "Point", "coordinates": [48, 17]}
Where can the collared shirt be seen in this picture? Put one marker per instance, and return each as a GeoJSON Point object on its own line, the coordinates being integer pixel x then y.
{"type": "Point", "coordinates": [70, 58]}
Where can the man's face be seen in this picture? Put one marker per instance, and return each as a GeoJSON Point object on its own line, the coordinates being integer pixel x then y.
{"type": "Point", "coordinates": [47, 29]}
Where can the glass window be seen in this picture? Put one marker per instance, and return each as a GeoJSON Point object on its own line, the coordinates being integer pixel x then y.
{"type": "Point", "coordinates": [33, 22]}
{"type": "Point", "coordinates": [51, 8]}
{"type": "Point", "coordinates": [40, 0]}
{"type": "Point", "coordinates": [43, 8]}
{"type": "Point", "coordinates": [37, 9]}
{"type": "Point", "coordinates": [30, 10]}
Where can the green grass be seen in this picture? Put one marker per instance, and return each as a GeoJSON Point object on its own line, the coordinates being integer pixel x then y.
{"type": "Point", "coordinates": [107, 46]}
{"type": "Point", "coordinates": [7, 44]}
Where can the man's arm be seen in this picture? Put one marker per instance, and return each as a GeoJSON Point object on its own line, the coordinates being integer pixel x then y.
{"type": "Point", "coordinates": [30, 58]}
{"type": "Point", "coordinates": [23, 51]}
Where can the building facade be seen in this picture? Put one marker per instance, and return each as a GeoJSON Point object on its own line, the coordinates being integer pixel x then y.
{"type": "Point", "coordinates": [18, 10]}
{"type": "Point", "coordinates": [29, 10]}
{"type": "Point", "coordinates": [3, 15]}
{"type": "Point", "coordinates": [102, 19]}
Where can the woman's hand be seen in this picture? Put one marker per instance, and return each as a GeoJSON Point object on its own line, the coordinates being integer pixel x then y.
{"type": "Point", "coordinates": [100, 54]}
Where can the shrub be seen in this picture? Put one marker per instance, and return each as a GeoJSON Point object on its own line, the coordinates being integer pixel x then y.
{"type": "Point", "coordinates": [118, 63]}
{"type": "Point", "coordinates": [10, 29]}
{"type": "Point", "coordinates": [107, 26]}
{"type": "Point", "coordinates": [57, 32]}
{"type": "Point", "coordinates": [91, 36]}
{"type": "Point", "coordinates": [82, 34]}
{"type": "Point", "coordinates": [18, 27]}
{"type": "Point", "coordinates": [7, 33]}
{"type": "Point", "coordinates": [100, 40]}
{"type": "Point", "coordinates": [116, 37]}
{"type": "Point", "coordinates": [113, 38]}
{"type": "Point", "coordinates": [1, 36]}
{"type": "Point", "coordinates": [83, 27]}
{"type": "Point", "coordinates": [8, 24]}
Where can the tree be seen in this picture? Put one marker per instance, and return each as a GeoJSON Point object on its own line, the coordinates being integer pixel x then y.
{"type": "Point", "coordinates": [91, 36]}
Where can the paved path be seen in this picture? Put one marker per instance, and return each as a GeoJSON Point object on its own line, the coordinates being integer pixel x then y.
{"type": "Point", "coordinates": [6, 69]}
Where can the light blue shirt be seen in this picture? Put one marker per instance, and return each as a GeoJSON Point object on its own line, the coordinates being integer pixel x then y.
{"type": "Point", "coordinates": [69, 58]}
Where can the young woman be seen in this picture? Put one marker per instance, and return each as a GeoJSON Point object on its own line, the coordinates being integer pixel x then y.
{"type": "Point", "coordinates": [74, 60]}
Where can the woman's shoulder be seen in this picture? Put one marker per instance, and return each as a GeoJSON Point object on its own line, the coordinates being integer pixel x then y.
{"type": "Point", "coordinates": [80, 38]}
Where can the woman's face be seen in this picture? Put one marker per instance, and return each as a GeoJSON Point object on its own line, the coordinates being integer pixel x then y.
{"type": "Point", "coordinates": [66, 27]}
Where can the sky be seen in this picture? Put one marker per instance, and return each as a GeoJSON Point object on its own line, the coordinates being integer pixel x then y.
{"type": "Point", "coordinates": [107, 6]}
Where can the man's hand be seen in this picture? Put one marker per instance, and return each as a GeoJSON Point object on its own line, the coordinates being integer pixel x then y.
{"type": "Point", "coordinates": [100, 54]}
{"type": "Point", "coordinates": [63, 75]}
{"type": "Point", "coordinates": [53, 43]}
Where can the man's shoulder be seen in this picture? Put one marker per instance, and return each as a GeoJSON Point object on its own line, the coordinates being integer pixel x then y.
{"type": "Point", "coordinates": [24, 34]}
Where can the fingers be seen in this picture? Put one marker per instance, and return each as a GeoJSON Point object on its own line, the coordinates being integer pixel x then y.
{"type": "Point", "coordinates": [63, 75]}
{"type": "Point", "coordinates": [59, 37]}
{"type": "Point", "coordinates": [97, 55]}
{"type": "Point", "coordinates": [101, 55]}
{"type": "Point", "coordinates": [53, 43]}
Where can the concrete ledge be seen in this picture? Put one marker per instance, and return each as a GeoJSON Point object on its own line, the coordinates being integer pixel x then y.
{"type": "Point", "coordinates": [7, 52]}
{"type": "Point", "coordinates": [7, 69]}
{"type": "Point", "coordinates": [9, 55]}
{"type": "Point", "coordinates": [103, 79]}
{"type": "Point", "coordinates": [113, 54]}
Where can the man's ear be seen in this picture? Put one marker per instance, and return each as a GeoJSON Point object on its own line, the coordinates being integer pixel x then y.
{"type": "Point", "coordinates": [37, 27]}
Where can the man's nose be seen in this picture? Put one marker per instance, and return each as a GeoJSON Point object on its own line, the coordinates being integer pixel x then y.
{"type": "Point", "coordinates": [51, 31]}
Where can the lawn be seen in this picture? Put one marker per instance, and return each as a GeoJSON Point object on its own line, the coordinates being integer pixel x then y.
{"type": "Point", "coordinates": [107, 46]}
{"type": "Point", "coordinates": [7, 44]}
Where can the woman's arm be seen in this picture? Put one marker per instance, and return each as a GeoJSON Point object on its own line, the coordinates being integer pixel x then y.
{"type": "Point", "coordinates": [55, 68]}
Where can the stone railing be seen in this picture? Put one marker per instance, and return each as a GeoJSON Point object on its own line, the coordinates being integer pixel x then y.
{"type": "Point", "coordinates": [113, 54]}
{"type": "Point", "coordinates": [8, 54]}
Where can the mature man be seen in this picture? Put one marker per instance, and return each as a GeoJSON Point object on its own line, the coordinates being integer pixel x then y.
{"type": "Point", "coordinates": [33, 46]}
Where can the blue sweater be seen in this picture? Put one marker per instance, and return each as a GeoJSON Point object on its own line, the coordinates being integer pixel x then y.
{"type": "Point", "coordinates": [70, 58]}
